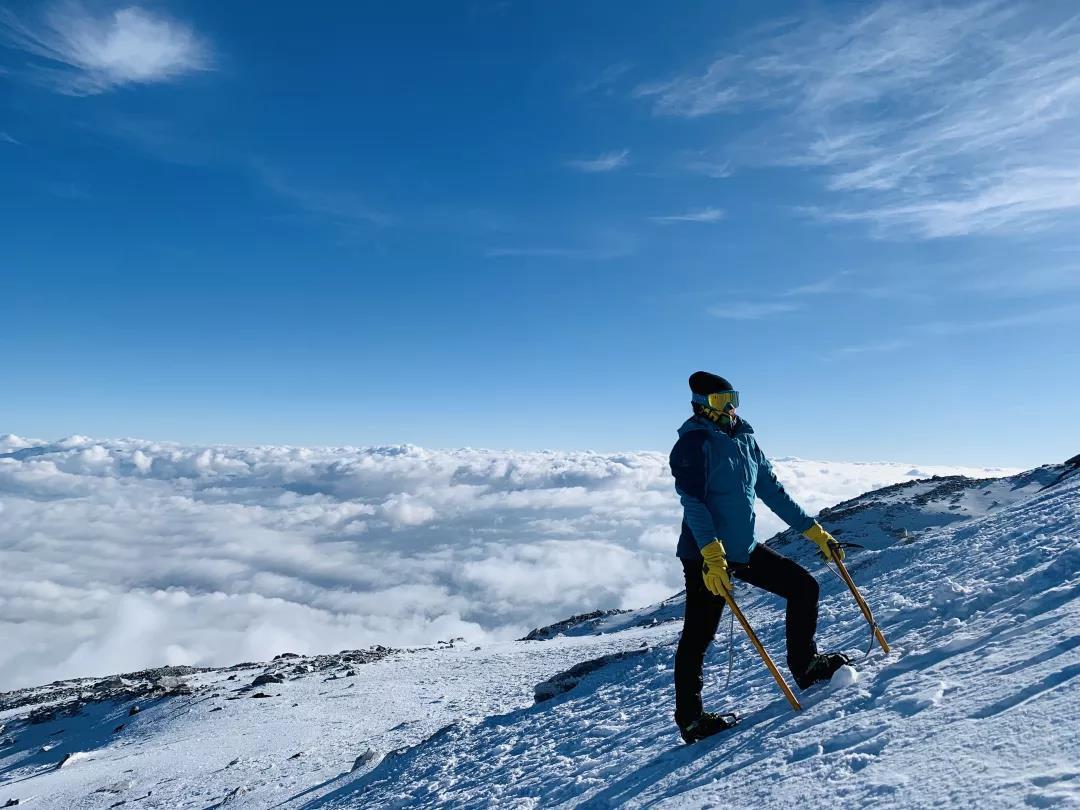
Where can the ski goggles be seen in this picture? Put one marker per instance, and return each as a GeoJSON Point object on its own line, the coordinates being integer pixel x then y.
{"type": "Point", "coordinates": [718, 401]}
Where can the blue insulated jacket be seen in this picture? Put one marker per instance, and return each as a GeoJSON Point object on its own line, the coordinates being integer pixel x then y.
{"type": "Point", "coordinates": [717, 477]}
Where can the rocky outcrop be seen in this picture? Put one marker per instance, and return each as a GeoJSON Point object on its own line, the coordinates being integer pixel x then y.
{"type": "Point", "coordinates": [552, 630]}
{"type": "Point", "coordinates": [568, 679]}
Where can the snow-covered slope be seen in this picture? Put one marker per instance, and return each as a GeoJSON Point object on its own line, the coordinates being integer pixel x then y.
{"type": "Point", "coordinates": [977, 705]}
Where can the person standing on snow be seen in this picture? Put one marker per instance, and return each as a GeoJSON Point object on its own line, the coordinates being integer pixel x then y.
{"type": "Point", "coordinates": [718, 468]}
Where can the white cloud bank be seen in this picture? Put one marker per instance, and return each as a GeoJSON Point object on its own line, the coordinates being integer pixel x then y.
{"type": "Point", "coordinates": [81, 53]}
{"type": "Point", "coordinates": [117, 555]}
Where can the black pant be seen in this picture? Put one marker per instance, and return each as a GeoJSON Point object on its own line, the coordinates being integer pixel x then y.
{"type": "Point", "coordinates": [767, 569]}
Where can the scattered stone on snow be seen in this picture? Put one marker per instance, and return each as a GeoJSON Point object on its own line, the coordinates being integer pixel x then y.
{"type": "Point", "coordinates": [552, 630]}
{"type": "Point", "coordinates": [235, 793]}
{"type": "Point", "coordinates": [367, 758]}
{"type": "Point", "coordinates": [71, 758]}
{"type": "Point", "coordinates": [567, 680]}
{"type": "Point", "coordinates": [268, 677]}
{"type": "Point", "coordinates": [115, 787]}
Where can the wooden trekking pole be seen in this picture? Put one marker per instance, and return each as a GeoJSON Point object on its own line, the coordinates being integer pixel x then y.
{"type": "Point", "coordinates": [865, 608]}
{"type": "Point", "coordinates": [761, 650]}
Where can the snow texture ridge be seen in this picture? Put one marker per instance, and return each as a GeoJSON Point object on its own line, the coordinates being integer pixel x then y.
{"type": "Point", "coordinates": [975, 707]}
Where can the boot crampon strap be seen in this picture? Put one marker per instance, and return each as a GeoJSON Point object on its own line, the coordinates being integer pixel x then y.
{"type": "Point", "coordinates": [821, 668]}
{"type": "Point", "coordinates": [706, 725]}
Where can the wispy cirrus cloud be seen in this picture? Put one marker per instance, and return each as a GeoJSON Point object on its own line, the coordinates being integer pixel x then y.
{"type": "Point", "coordinates": [78, 52]}
{"type": "Point", "coordinates": [605, 79]}
{"type": "Point", "coordinates": [750, 310]}
{"type": "Point", "coordinates": [921, 332]}
{"type": "Point", "coordinates": [1067, 313]}
{"type": "Point", "coordinates": [597, 244]}
{"type": "Point", "coordinates": [783, 303]}
{"type": "Point", "coordinates": [607, 162]}
{"type": "Point", "coordinates": [829, 284]}
{"type": "Point", "coordinates": [874, 347]}
{"type": "Point", "coordinates": [702, 215]}
{"type": "Point", "coordinates": [342, 206]}
{"type": "Point", "coordinates": [592, 253]}
{"type": "Point", "coordinates": [939, 120]}
{"type": "Point", "coordinates": [5, 138]}
{"type": "Point", "coordinates": [706, 164]}
{"type": "Point", "coordinates": [1027, 281]}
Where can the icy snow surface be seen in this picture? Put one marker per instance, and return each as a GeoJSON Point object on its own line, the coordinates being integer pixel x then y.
{"type": "Point", "coordinates": [977, 705]}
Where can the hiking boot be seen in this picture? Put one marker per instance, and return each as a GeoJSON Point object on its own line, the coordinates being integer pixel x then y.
{"type": "Point", "coordinates": [706, 725]}
{"type": "Point", "coordinates": [821, 668]}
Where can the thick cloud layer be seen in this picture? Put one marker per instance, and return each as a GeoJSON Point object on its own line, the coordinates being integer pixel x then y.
{"type": "Point", "coordinates": [122, 554]}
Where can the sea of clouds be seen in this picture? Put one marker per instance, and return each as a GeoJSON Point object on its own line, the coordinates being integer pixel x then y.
{"type": "Point", "coordinates": [123, 554]}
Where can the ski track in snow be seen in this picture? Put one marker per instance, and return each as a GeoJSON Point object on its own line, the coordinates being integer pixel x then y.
{"type": "Point", "coordinates": [976, 706]}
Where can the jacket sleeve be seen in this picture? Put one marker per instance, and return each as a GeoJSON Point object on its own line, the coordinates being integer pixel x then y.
{"type": "Point", "coordinates": [690, 466]}
{"type": "Point", "coordinates": [772, 492]}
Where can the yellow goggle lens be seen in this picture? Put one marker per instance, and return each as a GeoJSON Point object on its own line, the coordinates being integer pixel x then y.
{"type": "Point", "coordinates": [718, 401]}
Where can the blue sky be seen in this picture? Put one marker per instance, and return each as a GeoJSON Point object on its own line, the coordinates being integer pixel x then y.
{"type": "Point", "coordinates": [523, 224]}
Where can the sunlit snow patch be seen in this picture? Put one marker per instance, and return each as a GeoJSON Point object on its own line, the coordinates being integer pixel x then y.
{"type": "Point", "coordinates": [845, 676]}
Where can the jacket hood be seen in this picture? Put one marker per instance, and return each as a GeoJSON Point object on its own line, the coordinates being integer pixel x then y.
{"type": "Point", "coordinates": [700, 423]}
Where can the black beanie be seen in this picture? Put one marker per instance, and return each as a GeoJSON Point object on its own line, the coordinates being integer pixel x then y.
{"type": "Point", "coordinates": [702, 382]}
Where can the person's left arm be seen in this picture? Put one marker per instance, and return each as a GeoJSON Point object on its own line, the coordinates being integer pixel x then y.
{"type": "Point", "coordinates": [772, 492]}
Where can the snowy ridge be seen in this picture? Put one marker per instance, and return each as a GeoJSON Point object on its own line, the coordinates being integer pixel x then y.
{"type": "Point", "coordinates": [976, 706]}
{"type": "Point", "coordinates": [983, 633]}
{"type": "Point", "coordinates": [875, 520]}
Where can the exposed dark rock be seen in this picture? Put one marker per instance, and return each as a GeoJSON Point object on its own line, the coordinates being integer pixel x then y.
{"type": "Point", "coordinates": [552, 630]}
{"type": "Point", "coordinates": [45, 714]}
{"type": "Point", "coordinates": [115, 787]}
{"type": "Point", "coordinates": [235, 793]}
{"type": "Point", "coordinates": [268, 677]}
{"type": "Point", "coordinates": [366, 758]}
{"type": "Point", "coordinates": [567, 680]}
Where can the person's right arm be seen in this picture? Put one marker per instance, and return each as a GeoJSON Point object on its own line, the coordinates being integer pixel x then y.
{"type": "Point", "coordinates": [690, 466]}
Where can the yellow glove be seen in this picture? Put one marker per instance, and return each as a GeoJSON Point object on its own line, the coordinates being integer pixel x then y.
{"type": "Point", "coordinates": [714, 571]}
{"type": "Point", "coordinates": [830, 549]}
